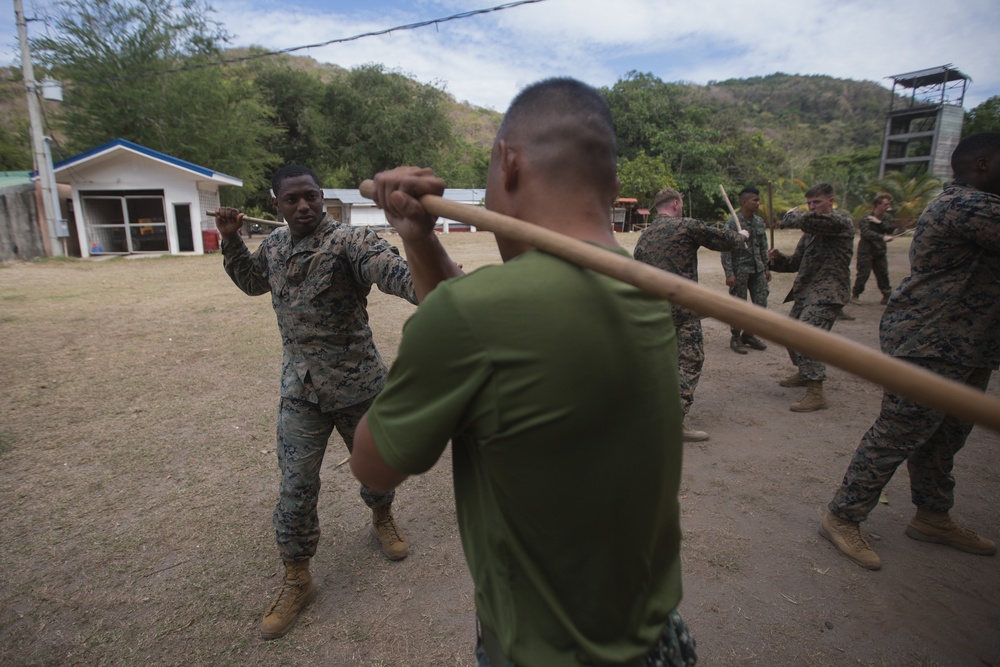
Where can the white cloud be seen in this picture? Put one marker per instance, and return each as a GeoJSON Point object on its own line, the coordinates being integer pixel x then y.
{"type": "Point", "coordinates": [488, 58]}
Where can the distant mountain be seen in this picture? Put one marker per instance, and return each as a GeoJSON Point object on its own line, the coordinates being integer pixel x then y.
{"type": "Point", "coordinates": [813, 114]}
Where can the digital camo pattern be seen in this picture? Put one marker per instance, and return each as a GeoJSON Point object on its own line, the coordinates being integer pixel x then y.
{"type": "Point", "coordinates": [927, 439]}
{"type": "Point", "coordinates": [822, 258]}
{"type": "Point", "coordinates": [753, 257]}
{"type": "Point", "coordinates": [949, 306]}
{"type": "Point", "coordinates": [821, 317]}
{"type": "Point", "coordinates": [748, 266]}
{"type": "Point", "coordinates": [872, 255]}
{"type": "Point", "coordinates": [303, 433]}
{"type": "Point", "coordinates": [672, 244]}
{"type": "Point", "coordinates": [690, 360]}
{"type": "Point", "coordinates": [319, 289]}
{"type": "Point", "coordinates": [873, 232]}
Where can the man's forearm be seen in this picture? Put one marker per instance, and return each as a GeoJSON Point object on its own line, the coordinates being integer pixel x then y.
{"type": "Point", "coordinates": [368, 465]}
{"type": "Point", "coordinates": [429, 263]}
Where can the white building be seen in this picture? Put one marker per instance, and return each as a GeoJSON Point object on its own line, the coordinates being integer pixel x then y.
{"type": "Point", "coordinates": [129, 199]}
{"type": "Point", "coordinates": [351, 207]}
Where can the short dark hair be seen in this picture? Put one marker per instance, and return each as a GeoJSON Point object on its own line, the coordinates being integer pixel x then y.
{"type": "Point", "coordinates": [568, 127]}
{"type": "Point", "coordinates": [973, 147]}
{"type": "Point", "coordinates": [881, 197]}
{"type": "Point", "coordinates": [820, 190]}
{"type": "Point", "coordinates": [749, 190]}
{"type": "Point", "coordinates": [291, 171]}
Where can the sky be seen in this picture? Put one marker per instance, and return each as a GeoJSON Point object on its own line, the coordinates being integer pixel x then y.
{"type": "Point", "coordinates": [486, 59]}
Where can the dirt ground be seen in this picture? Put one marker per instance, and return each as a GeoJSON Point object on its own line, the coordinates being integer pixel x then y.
{"type": "Point", "coordinates": [137, 475]}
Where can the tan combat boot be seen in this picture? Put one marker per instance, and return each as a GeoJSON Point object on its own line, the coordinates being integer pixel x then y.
{"type": "Point", "coordinates": [736, 344]}
{"type": "Point", "coordinates": [813, 400]}
{"type": "Point", "coordinates": [846, 536]}
{"type": "Point", "coordinates": [938, 527]}
{"type": "Point", "coordinates": [690, 435]}
{"type": "Point", "coordinates": [793, 380]}
{"type": "Point", "coordinates": [389, 537]}
{"type": "Point", "coordinates": [295, 593]}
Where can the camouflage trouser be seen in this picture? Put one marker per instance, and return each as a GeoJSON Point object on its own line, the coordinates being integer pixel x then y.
{"type": "Point", "coordinates": [675, 648]}
{"type": "Point", "coordinates": [924, 437]}
{"type": "Point", "coordinates": [690, 360]}
{"type": "Point", "coordinates": [756, 284]}
{"type": "Point", "coordinates": [868, 263]}
{"type": "Point", "coordinates": [303, 432]}
{"type": "Point", "coordinates": [821, 317]}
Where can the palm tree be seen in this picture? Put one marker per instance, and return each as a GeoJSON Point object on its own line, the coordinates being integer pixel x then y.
{"type": "Point", "coordinates": [910, 195]}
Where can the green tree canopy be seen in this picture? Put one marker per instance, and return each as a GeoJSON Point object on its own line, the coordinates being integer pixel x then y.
{"type": "Point", "coordinates": [984, 118]}
{"type": "Point", "coordinates": [139, 70]}
{"type": "Point", "coordinates": [644, 176]}
{"type": "Point", "coordinates": [379, 119]}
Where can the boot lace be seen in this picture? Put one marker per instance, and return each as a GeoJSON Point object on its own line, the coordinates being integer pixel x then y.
{"type": "Point", "coordinates": [290, 590]}
{"type": "Point", "coordinates": [386, 527]}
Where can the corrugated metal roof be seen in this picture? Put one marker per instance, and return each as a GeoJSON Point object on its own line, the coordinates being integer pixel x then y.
{"type": "Point", "coordinates": [352, 196]}
{"type": "Point", "coordinates": [930, 76]}
{"type": "Point", "coordinates": [9, 178]}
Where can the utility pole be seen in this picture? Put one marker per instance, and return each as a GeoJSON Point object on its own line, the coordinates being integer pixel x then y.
{"type": "Point", "coordinates": [55, 225]}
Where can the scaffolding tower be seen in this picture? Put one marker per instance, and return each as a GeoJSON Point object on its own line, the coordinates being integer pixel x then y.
{"type": "Point", "coordinates": [923, 127]}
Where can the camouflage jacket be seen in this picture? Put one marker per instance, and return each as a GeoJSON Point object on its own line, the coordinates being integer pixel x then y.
{"type": "Point", "coordinates": [822, 258]}
{"type": "Point", "coordinates": [753, 258]}
{"type": "Point", "coordinates": [949, 306]}
{"type": "Point", "coordinates": [672, 244]}
{"type": "Point", "coordinates": [873, 233]}
{"type": "Point", "coordinates": [319, 289]}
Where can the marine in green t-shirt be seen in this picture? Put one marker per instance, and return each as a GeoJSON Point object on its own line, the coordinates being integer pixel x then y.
{"type": "Point", "coordinates": [558, 389]}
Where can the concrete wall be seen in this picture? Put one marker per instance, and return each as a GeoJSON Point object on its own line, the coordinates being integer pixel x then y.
{"type": "Point", "coordinates": [949, 133]}
{"type": "Point", "coordinates": [20, 235]}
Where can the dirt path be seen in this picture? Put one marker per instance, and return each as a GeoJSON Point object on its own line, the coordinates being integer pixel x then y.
{"type": "Point", "coordinates": [137, 473]}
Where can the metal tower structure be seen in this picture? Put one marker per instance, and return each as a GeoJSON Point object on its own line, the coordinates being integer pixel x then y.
{"type": "Point", "coordinates": [924, 121]}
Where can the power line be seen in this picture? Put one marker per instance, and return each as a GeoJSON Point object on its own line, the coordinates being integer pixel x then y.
{"type": "Point", "coordinates": [257, 56]}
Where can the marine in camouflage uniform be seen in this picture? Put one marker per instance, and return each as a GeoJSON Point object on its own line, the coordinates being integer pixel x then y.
{"type": "Point", "coordinates": [945, 317]}
{"type": "Point", "coordinates": [872, 250]}
{"type": "Point", "coordinates": [747, 269]}
{"type": "Point", "coordinates": [671, 243]}
{"type": "Point", "coordinates": [822, 260]}
{"type": "Point", "coordinates": [319, 281]}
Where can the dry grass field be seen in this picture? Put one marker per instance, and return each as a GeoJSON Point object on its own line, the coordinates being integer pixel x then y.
{"type": "Point", "coordinates": [138, 474]}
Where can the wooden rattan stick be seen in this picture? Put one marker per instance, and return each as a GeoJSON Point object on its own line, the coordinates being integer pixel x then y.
{"type": "Point", "coordinates": [893, 374]}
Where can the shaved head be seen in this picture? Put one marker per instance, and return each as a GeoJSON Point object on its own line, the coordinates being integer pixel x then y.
{"type": "Point", "coordinates": [564, 128]}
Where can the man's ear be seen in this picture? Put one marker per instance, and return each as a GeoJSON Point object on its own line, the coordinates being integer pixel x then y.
{"type": "Point", "coordinates": [618, 188]}
{"type": "Point", "coordinates": [510, 165]}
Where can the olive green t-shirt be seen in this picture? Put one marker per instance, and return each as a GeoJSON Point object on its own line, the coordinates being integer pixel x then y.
{"type": "Point", "coordinates": [558, 387]}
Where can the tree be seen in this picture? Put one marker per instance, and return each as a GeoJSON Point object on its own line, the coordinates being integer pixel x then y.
{"type": "Point", "coordinates": [643, 177]}
{"type": "Point", "coordinates": [984, 118]}
{"type": "Point", "coordinates": [910, 195]}
{"type": "Point", "coordinates": [143, 70]}
{"type": "Point", "coordinates": [379, 119]}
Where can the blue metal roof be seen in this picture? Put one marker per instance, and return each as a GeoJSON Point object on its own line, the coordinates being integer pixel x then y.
{"type": "Point", "coordinates": [148, 152]}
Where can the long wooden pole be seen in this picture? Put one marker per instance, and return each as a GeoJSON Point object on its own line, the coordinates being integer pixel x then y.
{"type": "Point", "coordinates": [897, 376]}
{"type": "Point", "coordinates": [770, 210]}
{"type": "Point", "coordinates": [259, 221]}
{"type": "Point", "coordinates": [730, 205]}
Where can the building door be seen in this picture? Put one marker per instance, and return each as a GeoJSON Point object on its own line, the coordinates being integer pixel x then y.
{"type": "Point", "coordinates": [125, 222]}
{"type": "Point", "coordinates": [185, 235]}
